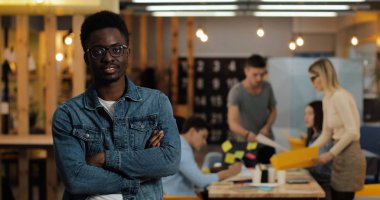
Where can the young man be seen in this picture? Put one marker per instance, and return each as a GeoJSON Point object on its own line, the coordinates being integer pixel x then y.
{"type": "Point", "coordinates": [252, 107]}
{"type": "Point", "coordinates": [194, 136]}
{"type": "Point", "coordinates": [105, 139]}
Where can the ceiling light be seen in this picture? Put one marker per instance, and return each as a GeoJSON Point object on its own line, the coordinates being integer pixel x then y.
{"type": "Point", "coordinates": [321, 1]}
{"type": "Point", "coordinates": [194, 14]}
{"type": "Point", "coordinates": [204, 38]}
{"type": "Point", "coordinates": [354, 40]}
{"type": "Point", "coordinates": [303, 7]}
{"type": "Point", "coordinates": [260, 32]}
{"type": "Point", "coordinates": [192, 7]}
{"type": "Point", "coordinates": [292, 46]}
{"type": "Point", "coordinates": [295, 14]}
{"type": "Point", "coordinates": [59, 57]}
{"type": "Point", "coordinates": [199, 32]}
{"type": "Point", "coordinates": [299, 41]}
{"type": "Point", "coordinates": [182, 1]}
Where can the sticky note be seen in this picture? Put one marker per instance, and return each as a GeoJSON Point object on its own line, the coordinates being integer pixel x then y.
{"type": "Point", "coordinates": [239, 154]}
{"type": "Point", "coordinates": [226, 146]}
{"type": "Point", "coordinates": [299, 158]}
{"type": "Point", "coordinates": [250, 156]}
{"type": "Point", "coordinates": [251, 145]}
{"type": "Point", "coordinates": [230, 158]}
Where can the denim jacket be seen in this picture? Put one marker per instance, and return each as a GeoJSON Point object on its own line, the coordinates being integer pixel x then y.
{"type": "Point", "coordinates": [82, 128]}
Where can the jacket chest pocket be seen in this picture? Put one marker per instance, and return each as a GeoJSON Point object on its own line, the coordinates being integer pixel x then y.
{"type": "Point", "coordinates": [91, 140]}
{"type": "Point", "coordinates": [141, 129]}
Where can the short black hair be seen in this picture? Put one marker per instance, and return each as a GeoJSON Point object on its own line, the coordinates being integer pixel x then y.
{"type": "Point", "coordinates": [100, 20]}
{"type": "Point", "coordinates": [256, 61]}
{"type": "Point", "coordinates": [194, 122]}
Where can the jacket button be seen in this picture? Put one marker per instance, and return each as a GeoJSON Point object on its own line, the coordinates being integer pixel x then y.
{"type": "Point", "coordinates": [87, 135]}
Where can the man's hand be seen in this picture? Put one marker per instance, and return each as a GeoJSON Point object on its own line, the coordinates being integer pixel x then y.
{"type": "Point", "coordinates": [234, 168]}
{"type": "Point", "coordinates": [251, 137]}
{"type": "Point", "coordinates": [155, 138]}
{"type": "Point", "coordinates": [324, 158]}
{"type": "Point", "coordinates": [264, 131]}
{"type": "Point", "coordinates": [96, 160]}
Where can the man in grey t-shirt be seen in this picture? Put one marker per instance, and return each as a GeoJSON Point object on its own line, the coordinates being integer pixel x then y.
{"type": "Point", "coordinates": [252, 107]}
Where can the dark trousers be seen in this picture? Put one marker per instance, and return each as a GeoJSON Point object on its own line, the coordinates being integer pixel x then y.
{"type": "Point", "coordinates": [6, 189]}
{"type": "Point", "coordinates": [337, 195]}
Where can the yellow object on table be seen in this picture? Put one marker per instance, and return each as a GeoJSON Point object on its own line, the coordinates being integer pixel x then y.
{"type": "Point", "coordinates": [300, 158]}
{"type": "Point", "coordinates": [296, 143]}
{"type": "Point", "coordinates": [369, 190]}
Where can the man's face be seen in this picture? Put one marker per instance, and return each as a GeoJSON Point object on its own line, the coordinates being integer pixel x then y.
{"type": "Point", "coordinates": [255, 75]}
{"type": "Point", "coordinates": [199, 138]}
{"type": "Point", "coordinates": [107, 66]}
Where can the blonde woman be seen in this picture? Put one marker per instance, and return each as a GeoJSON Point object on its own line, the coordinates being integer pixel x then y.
{"type": "Point", "coordinates": [342, 125]}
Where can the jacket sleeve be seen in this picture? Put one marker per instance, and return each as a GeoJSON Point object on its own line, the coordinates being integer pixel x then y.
{"type": "Point", "coordinates": [77, 176]}
{"type": "Point", "coordinates": [161, 161]}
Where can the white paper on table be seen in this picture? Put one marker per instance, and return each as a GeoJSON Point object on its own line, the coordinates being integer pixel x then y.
{"type": "Point", "coordinates": [265, 140]}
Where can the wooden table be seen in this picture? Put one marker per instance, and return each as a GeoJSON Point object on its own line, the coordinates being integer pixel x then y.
{"type": "Point", "coordinates": [23, 143]}
{"type": "Point", "coordinates": [228, 190]}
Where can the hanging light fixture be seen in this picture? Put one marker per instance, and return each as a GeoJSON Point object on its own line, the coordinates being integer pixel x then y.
{"type": "Point", "coordinates": [354, 40]}
{"type": "Point", "coordinates": [204, 37]}
{"type": "Point", "coordinates": [299, 41]}
{"type": "Point", "coordinates": [260, 32]}
{"type": "Point", "coordinates": [292, 45]}
{"type": "Point", "coordinates": [199, 33]}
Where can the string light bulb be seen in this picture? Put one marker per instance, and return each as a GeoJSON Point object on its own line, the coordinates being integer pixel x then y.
{"type": "Point", "coordinates": [354, 40]}
{"type": "Point", "coordinates": [260, 32]}
{"type": "Point", "coordinates": [59, 57]}
{"type": "Point", "coordinates": [199, 33]}
{"type": "Point", "coordinates": [292, 45]}
{"type": "Point", "coordinates": [204, 38]}
{"type": "Point", "coordinates": [299, 41]}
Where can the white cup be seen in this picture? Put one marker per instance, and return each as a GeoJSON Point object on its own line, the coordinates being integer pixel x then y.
{"type": "Point", "coordinates": [256, 176]}
{"type": "Point", "coordinates": [281, 176]}
{"type": "Point", "coordinates": [271, 175]}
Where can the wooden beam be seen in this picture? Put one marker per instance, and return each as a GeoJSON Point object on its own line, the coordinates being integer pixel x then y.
{"type": "Point", "coordinates": [23, 175]}
{"type": "Point", "coordinates": [51, 72]}
{"type": "Point", "coordinates": [159, 52]}
{"type": "Point", "coordinates": [128, 19]}
{"type": "Point", "coordinates": [190, 64]}
{"type": "Point", "coordinates": [22, 75]}
{"type": "Point", "coordinates": [174, 61]}
{"type": "Point", "coordinates": [51, 176]}
{"type": "Point", "coordinates": [79, 67]}
{"type": "Point", "coordinates": [143, 42]}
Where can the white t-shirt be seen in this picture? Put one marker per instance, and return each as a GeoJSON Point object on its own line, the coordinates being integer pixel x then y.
{"type": "Point", "coordinates": [110, 107]}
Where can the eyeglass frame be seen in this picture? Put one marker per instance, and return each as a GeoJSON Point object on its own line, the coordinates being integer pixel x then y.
{"type": "Point", "coordinates": [106, 49]}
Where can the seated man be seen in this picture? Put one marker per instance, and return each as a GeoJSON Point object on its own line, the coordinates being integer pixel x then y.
{"type": "Point", "coordinates": [194, 136]}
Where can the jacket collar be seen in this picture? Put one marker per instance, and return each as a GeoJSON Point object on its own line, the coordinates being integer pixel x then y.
{"type": "Point", "coordinates": [91, 101]}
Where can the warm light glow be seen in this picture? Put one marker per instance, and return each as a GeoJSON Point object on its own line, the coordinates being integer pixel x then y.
{"type": "Point", "coordinates": [322, 1]}
{"type": "Point", "coordinates": [199, 32]}
{"type": "Point", "coordinates": [292, 46]}
{"type": "Point", "coordinates": [294, 14]}
{"type": "Point", "coordinates": [191, 7]}
{"type": "Point", "coordinates": [204, 38]}
{"type": "Point", "coordinates": [354, 40]}
{"type": "Point", "coordinates": [303, 7]}
{"type": "Point", "coordinates": [378, 41]}
{"type": "Point", "coordinates": [299, 41]}
{"type": "Point", "coordinates": [68, 40]}
{"type": "Point", "coordinates": [193, 14]}
{"type": "Point", "coordinates": [182, 1]}
{"type": "Point", "coordinates": [260, 32]}
{"type": "Point", "coordinates": [39, 1]}
{"type": "Point", "coordinates": [59, 57]}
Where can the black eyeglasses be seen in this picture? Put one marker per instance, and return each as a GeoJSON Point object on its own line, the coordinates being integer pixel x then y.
{"type": "Point", "coordinates": [98, 52]}
{"type": "Point", "coordinates": [312, 78]}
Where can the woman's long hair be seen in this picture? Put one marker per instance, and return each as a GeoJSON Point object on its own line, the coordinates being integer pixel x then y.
{"type": "Point", "coordinates": [318, 120]}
